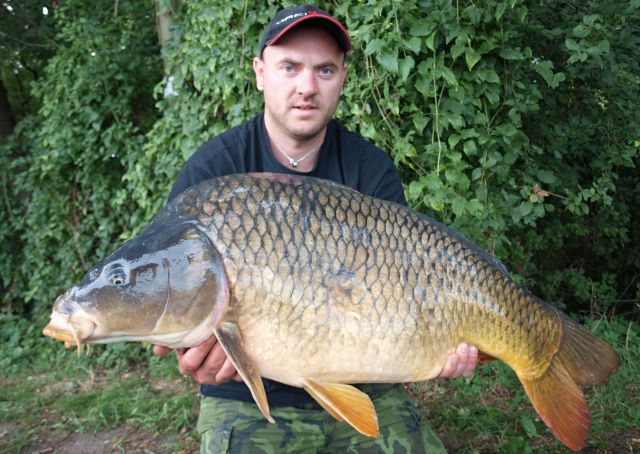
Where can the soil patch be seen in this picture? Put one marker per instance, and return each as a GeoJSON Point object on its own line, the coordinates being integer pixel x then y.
{"type": "Point", "coordinates": [121, 439]}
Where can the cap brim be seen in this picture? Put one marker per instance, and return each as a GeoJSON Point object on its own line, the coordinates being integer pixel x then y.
{"type": "Point", "coordinates": [342, 36]}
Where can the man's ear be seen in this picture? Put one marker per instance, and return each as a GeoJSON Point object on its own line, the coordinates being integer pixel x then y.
{"type": "Point", "coordinates": [258, 69]}
{"type": "Point", "coordinates": [345, 68]}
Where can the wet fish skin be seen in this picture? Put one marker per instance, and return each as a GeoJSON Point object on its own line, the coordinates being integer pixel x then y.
{"type": "Point", "coordinates": [167, 286]}
{"type": "Point", "coordinates": [325, 286]}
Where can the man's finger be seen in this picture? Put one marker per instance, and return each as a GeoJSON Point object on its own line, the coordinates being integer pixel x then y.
{"type": "Point", "coordinates": [160, 350]}
{"type": "Point", "coordinates": [472, 361]}
{"type": "Point", "coordinates": [450, 366]}
{"type": "Point", "coordinates": [226, 372]}
{"type": "Point", "coordinates": [206, 373]}
{"type": "Point", "coordinates": [463, 354]}
{"type": "Point", "coordinates": [192, 358]}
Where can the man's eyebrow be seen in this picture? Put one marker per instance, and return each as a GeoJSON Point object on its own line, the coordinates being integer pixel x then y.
{"type": "Point", "coordinates": [326, 64]}
{"type": "Point", "coordinates": [289, 61]}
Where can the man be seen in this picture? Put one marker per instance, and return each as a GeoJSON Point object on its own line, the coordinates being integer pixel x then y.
{"type": "Point", "coordinates": [301, 69]}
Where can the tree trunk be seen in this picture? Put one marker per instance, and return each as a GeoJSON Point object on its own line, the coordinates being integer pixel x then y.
{"type": "Point", "coordinates": [164, 11]}
{"type": "Point", "coordinates": [7, 122]}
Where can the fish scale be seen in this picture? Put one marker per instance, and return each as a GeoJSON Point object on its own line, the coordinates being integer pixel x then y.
{"type": "Point", "coordinates": [315, 285]}
{"type": "Point", "coordinates": [327, 219]}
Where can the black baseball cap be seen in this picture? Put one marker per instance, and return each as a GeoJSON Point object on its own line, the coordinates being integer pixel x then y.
{"type": "Point", "coordinates": [288, 18]}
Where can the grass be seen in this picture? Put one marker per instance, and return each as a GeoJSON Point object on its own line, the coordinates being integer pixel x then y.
{"type": "Point", "coordinates": [48, 394]}
{"type": "Point", "coordinates": [123, 396]}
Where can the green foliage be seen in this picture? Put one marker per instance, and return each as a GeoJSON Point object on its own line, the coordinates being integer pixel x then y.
{"type": "Point", "coordinates": [211, 89]}
{"type": "Point", "coordinates": [512, 121]}
{"type": "Point", "coordinates": [62, 173]}
{"type": "Point", "coordinates": [516, 124]}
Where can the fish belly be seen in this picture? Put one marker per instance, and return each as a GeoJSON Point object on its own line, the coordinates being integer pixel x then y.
{"type": "Point", "coordinates": [340, 350]}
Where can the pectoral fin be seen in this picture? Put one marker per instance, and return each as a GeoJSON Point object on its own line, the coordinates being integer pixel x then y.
{"type": "Point", "coordinates": [228, 335]}
{"type": "Point", "coordinates": [345, 402]}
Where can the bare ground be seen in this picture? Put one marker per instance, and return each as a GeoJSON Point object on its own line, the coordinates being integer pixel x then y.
{"type": "Point", "coordinates": [122, 439]}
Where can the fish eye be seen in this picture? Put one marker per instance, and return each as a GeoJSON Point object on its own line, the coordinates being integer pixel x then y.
{"type": "Point", "coordinates": [117, 275]}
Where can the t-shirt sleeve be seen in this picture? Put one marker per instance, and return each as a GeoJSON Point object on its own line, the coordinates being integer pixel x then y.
{"type": "Point", "coordinates": [378, 176]}
{"type": "Point", "coordinates": [389, 185]}
{"type": "Point", "coordinates": [189, 175]}
{"type": "Point", "coordinates": [213, 159]}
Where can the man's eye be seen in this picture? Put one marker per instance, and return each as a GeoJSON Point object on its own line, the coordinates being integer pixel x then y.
{"type": "Point", "coordinates": [288, 68]}
{"type": "Point", "coordinates": [326, 71]}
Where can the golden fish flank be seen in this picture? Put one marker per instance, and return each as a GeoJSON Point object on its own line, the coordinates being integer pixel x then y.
{"type": "Point", "coordinates": [319, 286]}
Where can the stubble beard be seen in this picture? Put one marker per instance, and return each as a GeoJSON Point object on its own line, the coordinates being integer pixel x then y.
{"type": "Point", "coordinates": [305, 131]}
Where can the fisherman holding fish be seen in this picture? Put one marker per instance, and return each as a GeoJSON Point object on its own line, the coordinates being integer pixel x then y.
{"type": "Point", "coordinates": [301, 68]}
{"type": "Point", "coordinates": [317, 286]}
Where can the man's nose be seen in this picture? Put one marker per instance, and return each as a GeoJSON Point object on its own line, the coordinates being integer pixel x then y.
{"type": "Point", "coordinates": [307, 83]}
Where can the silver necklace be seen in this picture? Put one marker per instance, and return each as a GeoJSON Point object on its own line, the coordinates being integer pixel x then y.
{"type": "Point", "coordinates": [294, 162]}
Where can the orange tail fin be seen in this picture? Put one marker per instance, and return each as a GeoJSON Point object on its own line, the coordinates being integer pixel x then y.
{"type": "Point", "coordinates": [582, 358]}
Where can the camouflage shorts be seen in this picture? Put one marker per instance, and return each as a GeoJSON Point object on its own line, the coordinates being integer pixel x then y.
{"type": "Point", "coordinates": [238, 427]}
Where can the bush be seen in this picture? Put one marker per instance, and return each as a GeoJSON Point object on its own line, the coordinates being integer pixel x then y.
{"type": "Point", "coordinates": [62, 172]}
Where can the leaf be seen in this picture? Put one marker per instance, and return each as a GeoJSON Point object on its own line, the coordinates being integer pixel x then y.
{"type": "Point", "coordinates": [580, 31]}
{"type": "Point", "coordinates": [458, 179]}
{"type": "Point", "coordinates": [511, 54]}
{"type": "Point", "coordinates": [492, 94]}
{"type": "Point", "coordinates": [471, 57]}
{"type": "Point", "coordinates": [488, 75]}
{"type": "Point", "coordinates": [415, 189]}
{"type": "Point", "coordinates": [424, 86]}
{"type": "Point", "coordinates": [545, 69]}
{"type": "Point", "coordinates": [421, 29]}
{"type": "Point", "coordinates": [406, 65]}
{"type": "Point", "coordinates": [571, 44]}
{"type": "Point", "coordinates": [388, 61]}
{"type": "Point", "coordinates": [470, 148]}
{"type": "Point", "coordinates": [457, 49]}
{"type": "Point", "coordinates": [453, 140]}
{"type": "Point", "coordinates": [429, 41]}
{"type": "Point", "coordinates": [557, 79]}
{"type": "Point", "coordinates": [419, 121]}
{"type": "Point", "coordinates": [414, 44]}
{"type": "Point", "coordinates": [603, 46]}
{"type": "Point", "coordinates": [459, 205]}
{"type": "Point", "coordinates": [590, 19]}
{"type": "Point", "coordinates": [500, 9]}
{"type": "Point", "coordinates": [375, 45]}
{"type": "Point", "coordinates": [447, 74]}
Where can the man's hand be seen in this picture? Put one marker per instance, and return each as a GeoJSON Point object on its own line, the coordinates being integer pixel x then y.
{"type": "Point", "coordinates": [207, 363]}
{"type": "Point", "coordinates": [460, 364]}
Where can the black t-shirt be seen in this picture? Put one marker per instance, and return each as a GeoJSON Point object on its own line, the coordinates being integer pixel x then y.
{"type": "Point", "coordinates": [345, 157]}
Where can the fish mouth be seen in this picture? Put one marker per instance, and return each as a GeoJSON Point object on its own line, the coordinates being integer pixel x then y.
{"type": "Point", "coordinates": [72, 329]}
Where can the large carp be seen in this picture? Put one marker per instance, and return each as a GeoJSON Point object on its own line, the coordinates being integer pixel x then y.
{"type": "Point", "coordinates": [315, 285]}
